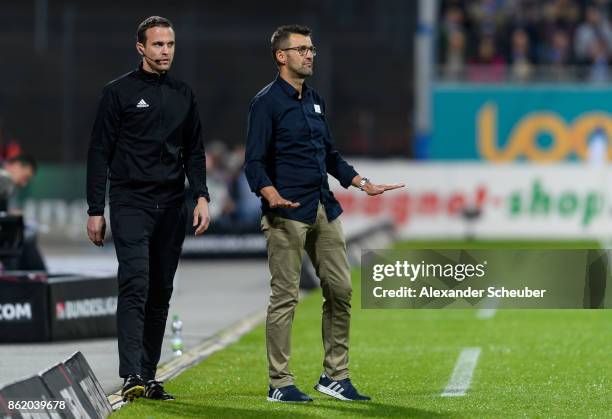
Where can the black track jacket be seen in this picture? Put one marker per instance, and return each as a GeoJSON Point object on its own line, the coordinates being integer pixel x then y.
{"type": "Point", "coordinates": [146, 135]}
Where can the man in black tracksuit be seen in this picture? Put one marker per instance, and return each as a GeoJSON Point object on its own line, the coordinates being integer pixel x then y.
{"type": "Point", "coordinates": [146, 136]}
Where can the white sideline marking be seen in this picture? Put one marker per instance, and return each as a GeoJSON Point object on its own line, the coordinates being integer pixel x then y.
{"type": "Point", "coordinates": [461, 379]}
{"type": "Point", "coordinates": [486, 313]}
{"type": "Point", "coordinates": [489, 310]}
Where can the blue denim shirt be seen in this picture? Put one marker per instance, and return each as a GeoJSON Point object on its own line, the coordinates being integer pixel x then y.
{"type": "Point", "coordinates": [289, 145]}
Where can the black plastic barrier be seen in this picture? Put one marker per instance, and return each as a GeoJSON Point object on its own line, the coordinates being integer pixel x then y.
{"type": "Point", "coordinates": [39, 307]}
{"type": "Point", "coordinates": [15, 397]}
{"type": "Point", "coordinates": [24, 309]}
{"type": "Point", "coordinates": [69, 390]}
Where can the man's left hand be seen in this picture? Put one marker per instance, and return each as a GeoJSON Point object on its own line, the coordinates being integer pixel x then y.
{"type": "Point", "coordinates": [201, 220]}
{"type": "Point", "coordinates": [373, 189]}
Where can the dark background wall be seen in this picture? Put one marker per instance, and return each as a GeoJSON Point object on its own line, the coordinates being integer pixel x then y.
{"type": "Point", "coordinates": [57, 56]}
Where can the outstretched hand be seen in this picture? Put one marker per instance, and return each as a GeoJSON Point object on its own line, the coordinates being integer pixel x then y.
{"type": "Point", "coordinates": [275, 200]}
{"type": "Point", "coordinates": [373, 189]}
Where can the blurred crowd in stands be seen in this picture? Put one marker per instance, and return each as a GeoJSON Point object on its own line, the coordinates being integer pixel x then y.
{"type": "Point", "coordinates": [525, 40]}
{"type": "Point", "coordinates": [233, 208]}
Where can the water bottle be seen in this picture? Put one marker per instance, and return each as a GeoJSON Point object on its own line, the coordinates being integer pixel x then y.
{"type": "Point", "coordinates": [177, 340]}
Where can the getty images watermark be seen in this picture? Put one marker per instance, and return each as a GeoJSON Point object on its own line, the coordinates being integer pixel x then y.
{"type": "Point", "coordinates": [485, 278]}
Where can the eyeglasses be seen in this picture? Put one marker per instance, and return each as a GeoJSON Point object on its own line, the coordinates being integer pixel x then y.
{"type": "Point", "coordinates": [302, 50]}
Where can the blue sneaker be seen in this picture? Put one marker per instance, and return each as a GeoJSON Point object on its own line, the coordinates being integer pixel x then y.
{"type": "Point", "coordinates": [341, 390]}
{"type": "Point", "coordinates": [288, 393]}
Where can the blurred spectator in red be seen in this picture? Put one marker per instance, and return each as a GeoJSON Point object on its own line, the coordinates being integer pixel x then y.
{"type": "Point", "coordinates": [488, 65]}
{"type": "Point", "coordinates": [11, 149]}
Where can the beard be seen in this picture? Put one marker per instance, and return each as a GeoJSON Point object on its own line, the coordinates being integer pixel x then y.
{"type": "Point", "coordinates": [305, 71]}
{"type": "Point", "coordinates": [302, 70]}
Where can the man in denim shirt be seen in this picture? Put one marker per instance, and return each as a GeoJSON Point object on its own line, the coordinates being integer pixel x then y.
{"type": "Point", "coordinates": [289, 153]}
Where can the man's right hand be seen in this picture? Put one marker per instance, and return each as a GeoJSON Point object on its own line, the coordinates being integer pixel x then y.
{"type": "Point", "coordinates": [275, 200]}
{"type": "Point", "coordinates": [96, 229]}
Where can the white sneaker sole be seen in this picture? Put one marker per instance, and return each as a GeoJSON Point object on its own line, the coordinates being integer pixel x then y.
{"type": "Point", "coordinates": [270, 399]}
{"type": "Point", "coordinates": [330, 392]}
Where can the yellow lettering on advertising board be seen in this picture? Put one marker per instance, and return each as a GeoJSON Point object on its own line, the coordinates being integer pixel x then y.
{"type": "Point", "coordinates": [523, 139]}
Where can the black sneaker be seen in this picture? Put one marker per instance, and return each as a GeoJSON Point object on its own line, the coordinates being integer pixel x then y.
{"type": "Point", "coordinates": [287, 394]}
{"type": "Point", "coordinates": [133, 387]}
{"type": "Point", "coordinates": [155, 390]}
{"type": "Point", "coordinates": [341, 390]}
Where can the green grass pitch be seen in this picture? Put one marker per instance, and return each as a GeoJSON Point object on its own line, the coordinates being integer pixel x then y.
{"type": "Point", "coordinates": [533, 363]}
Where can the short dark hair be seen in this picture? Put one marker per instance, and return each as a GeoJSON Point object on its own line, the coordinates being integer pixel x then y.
{"type": "Point", "coordinates": [281, 34]}
{"type": "Point", "coordinates": [24, 160]}
{"type": "Point", "coordinates": [151, 22]}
